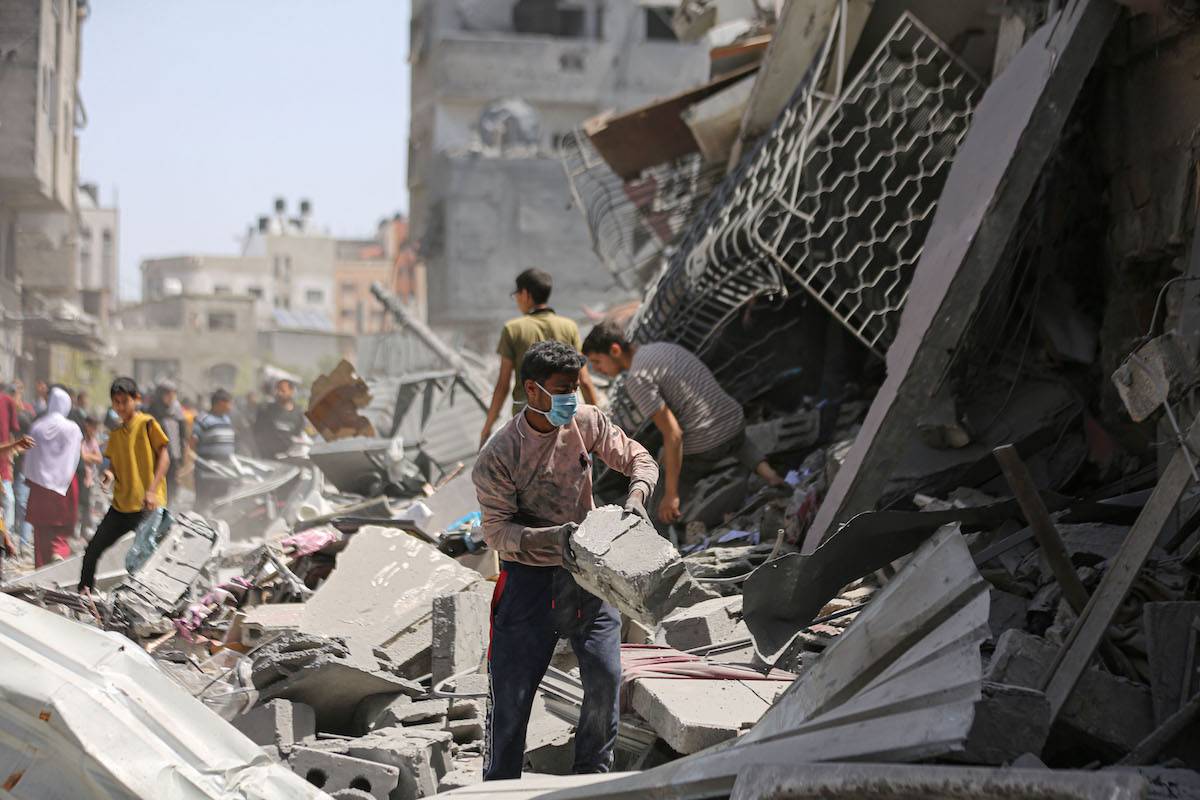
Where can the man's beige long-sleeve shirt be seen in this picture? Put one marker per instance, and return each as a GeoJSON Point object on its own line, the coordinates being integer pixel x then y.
{"type": "Point", "coordinates": [528, 481]}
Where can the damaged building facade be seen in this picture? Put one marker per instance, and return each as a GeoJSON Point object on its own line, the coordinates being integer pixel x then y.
{"type": "Point", "coordinates": [947, 258]}
{"type": "Point", "coordinates": [496, 87]}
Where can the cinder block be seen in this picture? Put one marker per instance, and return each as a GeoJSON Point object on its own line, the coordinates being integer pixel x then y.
{"type": "Point", "coordinates": [706, 623]}
{"type": "Point", "coordinates": [460, 633]}
{"type": "Point", "coordinates": [622, 559]}
{"type": "Point", "coordinates": [333, 772]}
{"type": "Point", "coordinates": [421, 757]}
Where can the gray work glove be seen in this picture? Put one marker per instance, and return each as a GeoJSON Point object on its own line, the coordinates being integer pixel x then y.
{"type": "Point", "coordinates": [635, 504]}
{"type": "Point", "coordinates": [565, 532]}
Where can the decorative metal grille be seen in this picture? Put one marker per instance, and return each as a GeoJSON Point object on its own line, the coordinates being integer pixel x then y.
{"type": "Point", "coordinates": [836, 199]}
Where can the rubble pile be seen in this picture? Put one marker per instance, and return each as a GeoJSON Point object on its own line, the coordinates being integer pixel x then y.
{"type": "Point", "coordinates": [981, 577]}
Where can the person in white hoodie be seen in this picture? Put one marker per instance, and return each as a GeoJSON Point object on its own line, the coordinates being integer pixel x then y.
{"type": "Point", "coordinates": [53, 507]}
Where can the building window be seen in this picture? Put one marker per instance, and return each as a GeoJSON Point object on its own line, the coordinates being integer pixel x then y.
{"type": "Point", "coordinates": [222, 321]}
{"type": "Point", "coordinates": [314, 297]}
{"type": "Point", "coordinates": [658, 24]}
{"type": "Point", "coordinates": [348, 313]}
{"type": "Point", "coordinates": [349, 287]}
{"type": "Point", "coordinates": [571, 62]}
{"type": "Point", "coordinates": [256, 292]}
{"type": "Point", "coordinates": [221, 288]}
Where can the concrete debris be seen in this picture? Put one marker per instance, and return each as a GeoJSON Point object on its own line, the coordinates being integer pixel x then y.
{"type": "Point", "coordinates": [145, 600]}
{"type": "Point", "coordinates": [461, 623]}
{"type": "Point", "coordinates": [708, 622]}
{"type": "Point", "coordinates": [945, 258]}
{"type": "Point", "coordinates": [404, 574]}
{"type": "Point", "coordinates": [279, 723]}
{"type": "Point", "coordinates": [729, 708]}
{"type": "Point", "coordinates": [1105, 717]}
{"type": "Point", "coordinates": [622, 559]}
{"type": "Point", "coordinates": [332, 772]}
{"type": "Point", "coordinates": [331, 675]}
{"type": "Point", "coordinates": [76, 722]}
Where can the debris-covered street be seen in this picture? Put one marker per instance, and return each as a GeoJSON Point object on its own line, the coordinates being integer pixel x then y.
{"type": "Point", "coordinates": [757, 399]}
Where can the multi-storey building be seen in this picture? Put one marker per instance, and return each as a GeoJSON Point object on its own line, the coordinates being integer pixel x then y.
{"type": "Point", "coordinates": [98, 239]}
{"type": "Point", "coordinates": [39, 114]}
{"type": "Point", "coordinates": [495, 85]}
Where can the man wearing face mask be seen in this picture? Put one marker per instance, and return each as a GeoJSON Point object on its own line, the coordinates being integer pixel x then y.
{"type": "Point", "coordinates": [534, 484]}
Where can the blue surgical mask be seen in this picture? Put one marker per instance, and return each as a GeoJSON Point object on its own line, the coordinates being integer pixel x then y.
{"type": "Point", "coordinates": [562, 407]}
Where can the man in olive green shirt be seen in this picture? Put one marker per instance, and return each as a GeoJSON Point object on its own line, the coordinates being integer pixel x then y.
{"type": "Point", "coordinates": [537, 323]}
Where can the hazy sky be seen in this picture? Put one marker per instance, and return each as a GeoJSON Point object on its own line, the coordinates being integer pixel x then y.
{"type": "Point", "coordinates": [201, 112]}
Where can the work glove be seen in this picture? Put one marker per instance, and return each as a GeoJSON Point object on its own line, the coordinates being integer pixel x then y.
{"type": "Point", "coordinates": [544, 544]}
{"type": "Point", "coordinates": [635, 504]}
{"type": "Point", "coordinates": [565, 533]}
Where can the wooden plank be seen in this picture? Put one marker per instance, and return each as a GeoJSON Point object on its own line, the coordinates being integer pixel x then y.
{"type": "Point", "coordinates": [1053, 549]}
{"type": "Point", "coordinates": [1089, 630]}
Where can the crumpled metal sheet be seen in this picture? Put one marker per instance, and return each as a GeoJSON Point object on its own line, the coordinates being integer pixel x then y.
{"type": "Point", "coordinates": [87, 715]}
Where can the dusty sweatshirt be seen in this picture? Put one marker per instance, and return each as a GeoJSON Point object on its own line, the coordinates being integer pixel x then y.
{"type": "Point", "coordinates": [528, 482]}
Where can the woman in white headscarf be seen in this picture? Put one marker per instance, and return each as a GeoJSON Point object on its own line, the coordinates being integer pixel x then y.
{"type": "Point", "coordinates": [50, 466]}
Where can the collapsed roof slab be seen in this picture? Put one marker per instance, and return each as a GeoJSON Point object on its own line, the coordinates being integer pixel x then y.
{"type": "Point", "coordinates": [1016, 126]}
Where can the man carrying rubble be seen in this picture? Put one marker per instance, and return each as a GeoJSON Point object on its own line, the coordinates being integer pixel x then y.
{"type": "Point", "coordinates": [701, 424]}
{"type": "Point", "coordinates": [537, 323]}
{"type": "Point", "coordinates": [534, 484]}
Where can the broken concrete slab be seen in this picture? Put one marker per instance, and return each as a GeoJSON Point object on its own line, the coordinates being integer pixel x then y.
{"type": "Point", "coordinates": [278, 723]}
{"type": "Point", "coordinates": [461, 623]}
{"type": "Point", "coordinates": [1009, 721]}
{"type": "Point", "coordinates": [144, 600]}
{"type": "Point", "coordinates": [390, 710]}
{"type": "Point", "coordinates": [332, 772]}
{"type": "Point", "coordinates": [331, 675]}
{"type": "Point", "coordinates": [1007, 611]}
{"type": "Point", "coordinates": [1015, 128]}
{"type": "Point", "coordinates": [729, 707]}
{"type": "Point", "coordinates": [403, 574]}
{"type": "Point", "coordinates": [421, 757]}
{"type": "Point", "coordinates": [262, 622]}
{"type": "Point", "coordinates": [709, 622]}
{"type": "Point", "coordinates": [621, 558]}
{"type": "Point", "coordinates": [879, 782]}
{"type": "Point", "coordinates": [1106, 715]}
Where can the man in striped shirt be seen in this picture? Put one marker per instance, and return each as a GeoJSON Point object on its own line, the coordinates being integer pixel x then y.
{"type": "Point", "coordinates": [701, 424]}
{"type": "Point", "coordinates": [213, 439]}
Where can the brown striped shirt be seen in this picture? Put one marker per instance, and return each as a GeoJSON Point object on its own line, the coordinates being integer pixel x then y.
{"type": "Point", "coordinates": [667, 374]}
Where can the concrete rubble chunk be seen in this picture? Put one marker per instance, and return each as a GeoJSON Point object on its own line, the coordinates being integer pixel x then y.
{"type": "Point", "coordinates": [422, 758]}
{"type": "Point", "coordinates": [1106, 716]}
{"type": "Point", "coordinates": [331, 675]}
{"type": "Point", "coordinates": [1009, 721]}
{"type": "Point", "coordinates": [461, 622]}
{"type": "Point", "coordinates": [709, 622]}
{"type": "Point", "coordinates": [403, 573]}
{"type": "Point", "coordinates": [145, 599]}
{"type": "Point", "coordinates": [270, 619]}
{"type": "Point", "coordinates": [278, 723]}
{"type": "Point", "coordinates": [622, 559]}
{"type": "Point", "coordinates": [673, 708]}
{"type": "Point", "coordinates": [333, 772]}
{"type": "Point", "coordinates": [390, 710]}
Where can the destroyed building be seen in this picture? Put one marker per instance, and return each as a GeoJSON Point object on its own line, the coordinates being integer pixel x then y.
{"type": "Point", "coordinates": [946, 256]}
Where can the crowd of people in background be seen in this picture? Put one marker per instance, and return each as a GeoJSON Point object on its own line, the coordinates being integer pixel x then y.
{"type": "Point", "coordinates": [59, 455]}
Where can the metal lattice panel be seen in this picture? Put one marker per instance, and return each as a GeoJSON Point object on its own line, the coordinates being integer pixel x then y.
{"type": "Point", "coordinates": [632, 222]}
{"type": "Point", "coordinates": [836, 199]}
{"type": "Point", "coordinates": [848, 214]}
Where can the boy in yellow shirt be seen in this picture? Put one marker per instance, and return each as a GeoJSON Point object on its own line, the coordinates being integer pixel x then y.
{"type": "Point", "coordinates": [139, 459]}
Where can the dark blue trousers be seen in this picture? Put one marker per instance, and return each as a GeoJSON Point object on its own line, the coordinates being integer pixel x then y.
{"type": "Point", "coordinates": [526, 626]}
